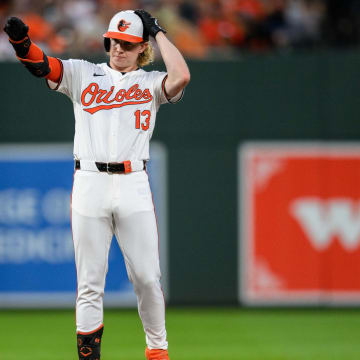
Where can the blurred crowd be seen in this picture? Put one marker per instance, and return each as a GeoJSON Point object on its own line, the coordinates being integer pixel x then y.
{"type": "Point", "coordinates": [200, 29]}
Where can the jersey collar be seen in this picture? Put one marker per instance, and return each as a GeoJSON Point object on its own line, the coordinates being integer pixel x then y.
{"type": "Point", "coordinates": [121, 72]}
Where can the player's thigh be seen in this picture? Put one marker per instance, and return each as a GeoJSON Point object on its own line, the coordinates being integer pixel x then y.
{"type": "Point", "coordinates": [137, 236]}
{"type": "Point", "coordinates": [92, 240]}
{"type": "Point", "coordinates": [132, 194]}
{"type": "Point", "coordinates": [91, 195]}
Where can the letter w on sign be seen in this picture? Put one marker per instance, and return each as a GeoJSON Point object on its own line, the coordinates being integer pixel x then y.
{"type": "Point", "coordinates": [323, 220]}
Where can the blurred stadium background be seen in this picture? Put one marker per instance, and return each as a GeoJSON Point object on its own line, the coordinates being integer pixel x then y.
{"type": "Point", "coordinates": [255, 176]}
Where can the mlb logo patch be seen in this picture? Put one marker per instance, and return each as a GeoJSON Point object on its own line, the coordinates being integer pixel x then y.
{"type": "Point", "coordinates": [299, 223]}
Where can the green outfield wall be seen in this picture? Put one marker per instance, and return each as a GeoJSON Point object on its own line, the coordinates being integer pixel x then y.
{"type": "Point", "coordinates": [272, 97]}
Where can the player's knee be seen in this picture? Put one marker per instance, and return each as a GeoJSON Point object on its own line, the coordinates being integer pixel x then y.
{"type": "Point", "coordinates": [152, 288]}
{"type": "Point", "coordinates": [90, 296]}
{"type": "Point", "coordinates": [145, 282]}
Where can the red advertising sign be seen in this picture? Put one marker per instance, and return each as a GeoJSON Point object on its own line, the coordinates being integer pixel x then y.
{"type": "Point", "coordinates": [299, 223]}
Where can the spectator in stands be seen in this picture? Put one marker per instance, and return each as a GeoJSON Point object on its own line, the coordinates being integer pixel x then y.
{"type": "Point", "coordinates": [200, 29]}
{"type": "Point", "coordinates": [6, 52]}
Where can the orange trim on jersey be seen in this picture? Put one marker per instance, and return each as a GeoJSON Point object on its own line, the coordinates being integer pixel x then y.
{"type": "Point", "coordinates": [72, 232]}
{"type": "Point", "coordinates": [163, 85]}
{"type": "Point", "coordinates": [122, 36]}
{"type": "Point", "coordinates": [157, 232]}
{"type": "Point", "coordinates": [166, 96]}
{"type": "Point", "coordinates": [90, 332]}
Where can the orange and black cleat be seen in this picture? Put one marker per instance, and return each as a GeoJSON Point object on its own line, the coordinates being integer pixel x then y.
{"type": "Point", "coordinates": [156, 354]}
{"type": "Point", "coordinates": [89, 344]}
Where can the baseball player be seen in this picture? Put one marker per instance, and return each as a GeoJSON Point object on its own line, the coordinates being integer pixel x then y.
{"type": "Point", "coordinates": [115, 106]}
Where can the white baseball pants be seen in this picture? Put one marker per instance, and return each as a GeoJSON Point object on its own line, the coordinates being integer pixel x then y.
{"type": "Point", "coordinates": [102, 205]}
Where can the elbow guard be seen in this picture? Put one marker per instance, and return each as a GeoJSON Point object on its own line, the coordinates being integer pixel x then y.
{"type": "Point", "coordinates": [39, 68]}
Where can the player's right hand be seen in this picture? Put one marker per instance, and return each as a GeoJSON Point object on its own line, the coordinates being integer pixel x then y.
{"type": "Point", "coordinates": [150, 23]}
{"type": "Point", "coordinates": [16, 29]}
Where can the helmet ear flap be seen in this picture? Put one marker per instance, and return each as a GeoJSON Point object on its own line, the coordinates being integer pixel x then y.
{"type": "Point", "coordinates": [107, 44]}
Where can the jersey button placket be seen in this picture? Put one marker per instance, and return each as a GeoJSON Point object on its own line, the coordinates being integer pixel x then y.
{"type": "Point", "coordinates": [113, 138]}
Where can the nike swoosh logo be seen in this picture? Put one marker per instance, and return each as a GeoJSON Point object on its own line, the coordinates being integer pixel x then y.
{"type": "Point", "coordinates": [98, 74]}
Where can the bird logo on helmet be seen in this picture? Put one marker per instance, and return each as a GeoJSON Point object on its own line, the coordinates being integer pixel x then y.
{"type": "Point", "coordinates": [127, 26]}
{"type": "Point", "coordinates": [123, 25]}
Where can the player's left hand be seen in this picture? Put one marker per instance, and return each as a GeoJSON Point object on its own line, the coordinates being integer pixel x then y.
{"type": "Point", "coordinates": [150, 23]}
{"type": "Point", "coordinates": [16, 29]}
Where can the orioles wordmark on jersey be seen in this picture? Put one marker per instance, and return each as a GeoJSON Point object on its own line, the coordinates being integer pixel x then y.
{"type": "Point", "coordinates": [115, 113]}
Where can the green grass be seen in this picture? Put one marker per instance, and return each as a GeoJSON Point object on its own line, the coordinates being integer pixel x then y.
{"type": "Point", "coordinates": [193, 334]}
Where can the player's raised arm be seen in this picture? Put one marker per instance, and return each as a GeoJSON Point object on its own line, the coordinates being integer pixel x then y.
{"type": "Point", "coordinates": [178, 71]}
{"type": "Point", "coordinates": [34, 59]}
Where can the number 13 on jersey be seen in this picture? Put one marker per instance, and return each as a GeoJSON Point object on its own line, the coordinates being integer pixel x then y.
{"type": "Point", "coordinates": [145, 123]}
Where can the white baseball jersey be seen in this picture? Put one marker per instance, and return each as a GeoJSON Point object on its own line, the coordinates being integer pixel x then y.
{"type": "Point", "coordinates": [115, 113]}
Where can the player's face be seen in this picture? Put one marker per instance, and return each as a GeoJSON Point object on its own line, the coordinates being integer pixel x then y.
{"type": "Point", "coordinates": [124, 54]}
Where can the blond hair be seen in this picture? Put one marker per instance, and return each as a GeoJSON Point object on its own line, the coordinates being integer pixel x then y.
{"type": "Point", "coordinates": [147, 56]}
